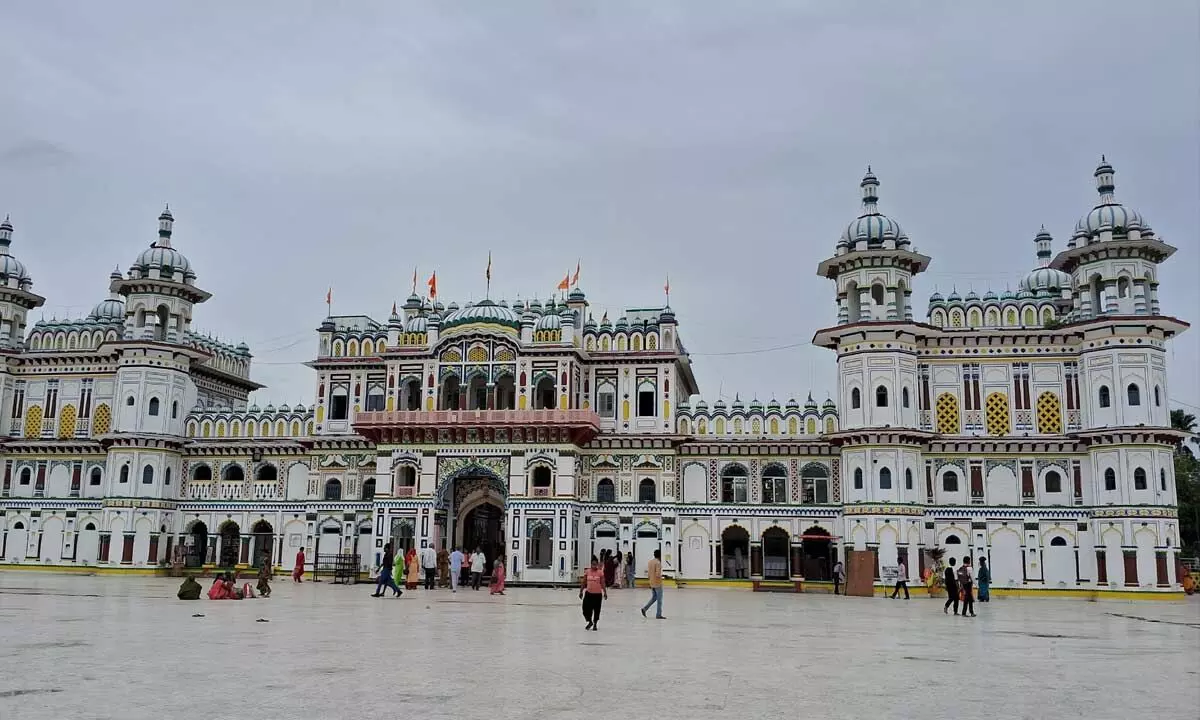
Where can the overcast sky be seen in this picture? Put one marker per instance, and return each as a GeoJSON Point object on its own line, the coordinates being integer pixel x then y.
{"type": "Point", "coordinates": [309, 145]}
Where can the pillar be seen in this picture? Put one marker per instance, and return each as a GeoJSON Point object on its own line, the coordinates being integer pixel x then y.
{"type": "Point", "coordinates": [1140, 304]}
{"type": "Point", "coordinates": [1154, 298]}
{"type": "Point", "coordinates": [864, 304]}
{"type": "Point", "coordinates": [893, 304]}
{"type": "Point", "coordinates": [908, 315]}
{"type": "Point", "coordinates": [843, 311]}
{"type": "Point", "coordinates": [1110, 296]}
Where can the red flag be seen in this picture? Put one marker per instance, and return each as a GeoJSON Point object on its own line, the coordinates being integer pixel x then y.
{"type": "Point", "coordinates": [667, 287]}
{"type": "Point", "coordinates": [329, 297]}
{"type": "Point", "coordinates": [575, 278]}
{"type": "Point", "coordinates": [566, 281]}
{"type": "Point", "coordinates": [433, 286]}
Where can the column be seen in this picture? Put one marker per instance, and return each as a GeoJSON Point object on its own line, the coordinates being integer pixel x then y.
{"type": "Point", "coordinates": [893, 304]}
{"type": "Point", "coordinates": [864, 304]}
{"type": "Point", "coordinates": [1153, 298]}
{"type": "Point", "coordinates": [1083, 301]}
{"type": "Point", "coordinates": [908, 315]}
{"type": "Point", "coordinates": [843, 312]}
{"type": "Point", "coordinates": [1140, 304]}
{"type": "Point", "coordinates": [1110, 296]}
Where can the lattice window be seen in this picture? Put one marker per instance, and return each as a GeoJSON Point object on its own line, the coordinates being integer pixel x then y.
{"type": "Point", "coordinates": [451, 355]}
{"type": "Point", "coordinates": [102, 421]}
{"type": "Point", "coordinates": [505, 355]}
{"type": "Point", "coordinates": [477, 354]}
{"type": "Point", "coordinates": [33, 421]}
{"type": "Point", "coordinates": [947, 414]}
{"type": "Point", "coordinates": [66, 422]}
{"type": "Point", "coordinates": [998, 420]}
{"type": "Point", "coordinates": [1049, 414]}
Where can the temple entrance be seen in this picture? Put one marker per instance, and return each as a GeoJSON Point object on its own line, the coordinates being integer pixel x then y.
{"type": "Point", "coordinates": [231, 544]}
{"type": "Point", "coordinates": [197, 545]}
{"type": "Point", "coordinates": [735, 552]}
{"type": "Point", "coordinates": [775, 554]}
{"type": "Point", "coordinates": [482, 527]}
{"type": "Point", "coordinates": [818, 554]}
{"type": "Point", "coordinates": [264, 541]}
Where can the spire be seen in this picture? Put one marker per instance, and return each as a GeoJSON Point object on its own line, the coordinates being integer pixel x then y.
{"type": "Point", "coordinates": [1043, 241]}
{"type": "Point", "coordinates": [870, 193]}
{"type": "Point", "coordinates": [6, 230]}
{"type": "Point", "coordinates": [166, 222]}
{"type": "Point", "coordinates": [1104, 181]}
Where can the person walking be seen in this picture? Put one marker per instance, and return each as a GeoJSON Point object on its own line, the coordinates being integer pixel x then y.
{"type": "Point", "coordinates": [412, 564]}
{"type": "Point", "coordinates": [496, 587]}
{"type": "Point", "coordinates": [456, 563]}
{"type": "Point", "coordinates": [965, 582]}
{"type": "Point", "coordinates": [839, 577]}
{"type": "Point", "coordinates": [298, 570]}
{"type": "Point", "coordinates": [984, 577]}
{"type": "Point", "coordinates": [630, 570]}
{"type": "Point", "coordinates": [384, 577]}
{"type": "Point", "coordinates": [593, 592]}
{"type": "Point", "coordinates": [429, 565]}
{"type": "Point", "coordinates": [654, 573]}
{"type": "Point", "coordinates": [478, 560]}
{"type": "Point", "coordinates": [398, 567]}
{"type": "Point", "coordinates": [901, 580]}
{"type": "Point", "coordinates": [951, 582]}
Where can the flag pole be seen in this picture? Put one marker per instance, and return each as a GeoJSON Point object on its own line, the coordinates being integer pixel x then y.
{"type": "Point", "coordinates": [487, 295]}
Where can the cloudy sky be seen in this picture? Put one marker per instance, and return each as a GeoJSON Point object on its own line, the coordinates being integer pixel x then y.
{"type": "Point", "coordinates": [304, 146]}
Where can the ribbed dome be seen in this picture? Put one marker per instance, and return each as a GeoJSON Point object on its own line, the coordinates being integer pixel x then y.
{"type": "Point", "coordinates": [486, 312]}
{"type": "Point", "coordinates": [549, 322]}
{"type": "Point", "coordinates": [108, 309]}
{"type": "Point", "coordinates": [416, 324]}
{"type": "Point", "coordinates": [871, 225]}
{"type": "Point", "coordinates": [10, 267]}
{"type": "Point", "coordinates": [1045, 279]}
{"type": "Point", "coordinates": [161, 256]}
{"type": "Point", "coordinates": [1108, 214]}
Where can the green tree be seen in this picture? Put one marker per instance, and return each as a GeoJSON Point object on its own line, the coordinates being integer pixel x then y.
{"type": "Point", "coordinates": [1187, 482]}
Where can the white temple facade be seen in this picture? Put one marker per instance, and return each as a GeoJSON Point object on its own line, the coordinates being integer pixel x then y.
{"type": "Point", "coordinates": [1030, 428]}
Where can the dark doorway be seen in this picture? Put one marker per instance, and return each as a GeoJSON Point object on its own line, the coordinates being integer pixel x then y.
{"type": "Point", "coordinates": [264, 541]}
{"type": "Point", "coordinates": [818, 551]}
{"type": "Point", "coordinates": [775, 554]}
{"type": "Point", "coordinates": [483, 528]}
{"type": "Point", "coordinates": [197, 552]}
{"type": "Point", "coordinates": [231, 541]}
{"type": "Point", "coordinates": [735, 552]}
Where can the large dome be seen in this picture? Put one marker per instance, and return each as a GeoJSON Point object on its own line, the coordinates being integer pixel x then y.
{"type": "Point", "coordinates": [1045, 279]}
{"type": "Point", "coordinates": [485, 312]}
{"type": "Point", "coordinates": [872, 226]}
{"type": "Point", "coordinates": [1108, 215]}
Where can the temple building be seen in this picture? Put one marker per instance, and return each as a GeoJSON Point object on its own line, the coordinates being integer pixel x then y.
{"type": "Point", "coordinates": [1030, 428]}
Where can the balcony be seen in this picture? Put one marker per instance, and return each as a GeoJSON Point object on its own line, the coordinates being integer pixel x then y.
{"type": "Point", "coordinates": [578, 426]}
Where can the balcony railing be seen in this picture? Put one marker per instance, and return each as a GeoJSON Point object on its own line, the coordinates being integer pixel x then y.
{"type": "Point", "coordinates": [405, 491]}
{"type": "Point", "coordinates": [541, 492]}
{"type": "Point", "coordinates": [425, 418]}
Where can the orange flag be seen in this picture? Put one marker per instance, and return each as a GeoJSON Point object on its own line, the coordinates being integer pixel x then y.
{"type": "Point", "coordinates": [329, 297]}
{"type": "Point", "coordinates": [575, 278]}
{"type": "Point", "coordinates": [566, 281]}
{"type": "Point", "coordinates": [433, 286]}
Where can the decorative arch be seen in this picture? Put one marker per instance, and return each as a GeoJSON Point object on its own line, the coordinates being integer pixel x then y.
{"type": "Point", "coordinates": [445, 491]}
{"type": "Point", "coordinates": [605, 524]}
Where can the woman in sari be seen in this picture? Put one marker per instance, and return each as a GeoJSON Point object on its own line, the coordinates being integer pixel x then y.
{"type": "Point", "coordinates": [610, 570]}
{"type": "Point", "coordinates": [298, 570]}
{"type": "Point", "coordinates": [619, 580]}
{"type": "Point", "coordinates": [218, 591]}
{"type": "Point", "coordinates": [496, 587]}
{"type": "Point", "coordinates": [985, 581]}
{"type": "Point", "coordinates": [414, 569]}
{"type": "Point", "coordinates": [629, 570]}
{"type": "Point", "coordinates": [398, 568]}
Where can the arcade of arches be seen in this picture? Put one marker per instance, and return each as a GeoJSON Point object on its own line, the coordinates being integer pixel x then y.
{"type": "Point", "coordinates": [776, 555]}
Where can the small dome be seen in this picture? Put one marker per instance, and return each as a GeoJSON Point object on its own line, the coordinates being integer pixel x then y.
{"type": "Point", "coordinates": [810, 404]}
{"type": "Point", "coordinates": [1046, 279]}
{"type": "Point", "coordinates": [871, 225]}
{"type": "Point", "coordinates": [972, 297]}
{"type": "Point", "coordinates": [549, 321]}
{"type": "Point", "coordinates": [755, 405]}
{"type": "Point", "coordinates": [954, 297]}
{"type": "Point", "coordinates": [719, 405]}
{"type": "Point", "coordinates": [284, 408]}
{"type": "Point", "coordinates": [167, 260]}
{"type": "Point", "coordinates": [989, 296]}
{"type": "Point", "coordinates": [416, 324]}
{"type": "Point", "coordinates": [1108, 214]}
{"type": "Point", "coordinates": [108, 309]}
{"type": "Point", "coordinates": [300, 408]}
{"type": "Point", "coordinates": [253, 408]}
{"type": "Point", "coordinates": [243, 348]}
{"type": "Point", "coordinates": [701, 405]}
{"type": "Point", "coordinates": [413, 302]}
{"type": "Point", "coordinates": [1024, 295]}
{"type": "Point", "coordinates": [828, 404]}
{"type": "Point", "coordinates": [936, 297]}
{"type": "Point", "coordinates": [270, 408]}
{"type": "Point", "coordinates": [10, 267]}
{"type": "Point", "coordinates": [622, 323]}
{"type": "Point", "coordinates": [773, 404]}
{"type": "Point", "coordinates": [576, 295]}
{"type": "Point", "coordinates": [792, 404]}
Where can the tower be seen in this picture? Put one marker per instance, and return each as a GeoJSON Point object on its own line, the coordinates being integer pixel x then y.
{"type": "Point", "coordinates": [154, 389]}
{"type": "Point", "coordinates": [16, 293]}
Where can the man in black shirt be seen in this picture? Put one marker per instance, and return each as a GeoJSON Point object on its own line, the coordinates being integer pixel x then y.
{"type": "Point", "coordinates": [951, 588]}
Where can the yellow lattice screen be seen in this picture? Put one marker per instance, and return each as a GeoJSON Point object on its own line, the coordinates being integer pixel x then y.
{"type": "Point", "coordinates": [477, 354]}
{"type": "Point", "coordinates": [451, 355]}
{"type": "Point", "coordinates": [996, 415]}
{"type": "Point", "coordinates": [33, 421]}
{"type": "Point", "coordinates": [66, 422]}
{"type": "Point", "coordinates": [1049, 414]}
{"type": "Point", "coordinates": [505, 355]}
{"type": "Point", "coordinates": [947, 414]}
{"type": "Point", "coordinates": [101, 420]}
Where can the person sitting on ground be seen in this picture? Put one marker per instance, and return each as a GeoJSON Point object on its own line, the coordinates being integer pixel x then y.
{"type": "Point", "coordinates": [190, 589]}
{"type": "Point", "coordinates": [219, 590]}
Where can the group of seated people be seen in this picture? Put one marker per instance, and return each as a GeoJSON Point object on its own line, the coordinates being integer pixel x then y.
{"type": "Point", "coordinates": [224, 587]}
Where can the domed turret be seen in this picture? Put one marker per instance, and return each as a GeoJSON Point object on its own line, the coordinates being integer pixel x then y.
{"type": "Point", "coordinates": [810, 404]}
{"type": "Point", "coordinates": [1108, 215]}
{"type": "Point", "coordinates": [1045, 278]}
{"type": "Point", "coordinates": [871, 226]}
{"type": "Point", "coordinates": [792, 404]}
{"type": "Point", "coordinates": [12, 270]}
{"type": "Point", "coordinates": [110, 309]}
{"type": "Point", "coordinates": [161, 256]}
{"type": "Point", "coordinates": [549, 321]}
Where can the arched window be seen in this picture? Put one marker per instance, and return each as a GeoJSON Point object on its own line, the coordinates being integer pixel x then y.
{"type": "Point", "coordinates": [950, 481]}
{"type": "Point", "coordinates": [233, 473]}
{"type": "Point", "coordinates": [26, 476]}
{"type": "Point", "coordinates": [908, 479]}
{"type": "Point", "coordinates": [1157, 397]}
{"type": "Point", "coordinates": [153, 409]}
{"type": "Point", "coordinates": [368, 489]}
{"type": "Point", "coordinates": [877, 294]}
{"type": "Point", "coordinates": [167, 476]}
{"type": "Point", "coordinates": [1135, 395]}
{"type": "Point", "coordinates": [202, 473]}
{"type": "Point", "coordinates": [734, 484]}
{"type": "Point", "coordinates": [1104, 398]}
{"type": "Point", "coordinates": [544, 394]}
{"type": "Point", "coordinates": [333, 489]}
{"type": "Point", "coordinates": [148, 475]}
{"type": "Point", "coordinates": [881, 396]}
{"type": "Point", "coordinates": [266, 472]}
{"type": "Point", "coordinates": [1058, 541]}
{"type": "Point", "coordinates": [858, 479]}
{"type": "Point", "coordinates": [1162, 479]}
{"type": "Point", "coordinates": [606, 492]}
{"type": "Point", "coordinates": [95, 477]}
{"type": "Point", "coordinates": [953, 540]}
{"type": "Point", "coordinates": [1049, 414]}
{"type": "Point", "coordinates": [885, 479]}
{"type": "Point", "coordinates": [774, 484]}
{"type": "Point", "coordinates": [124, 475]}
{"type": "Point", "coordinates": [1139, 479]}
{"type": "Point", "coordinates": [1110, 479]}
{"type": "Point", "coordinates": [996, 416]}
{"type": "Point", "coordinates": [406, 477]}
{"type": "Point", "coordinates": [174, 409]}
{"type": "Point", "coordinates": [1053, 482]}
{"type": "Point", "coordinates": [539, 550]}
{"type": "Point", "coordinates": [646, 493]}
{"type": "Point", "coordinates": [855, 399]}
{"type": "Point", "coordinates": [814, 484]}
{"type": "Point", "coordinates": [541, 480]}
{"type": "Point", "coordinates": [904, 397]}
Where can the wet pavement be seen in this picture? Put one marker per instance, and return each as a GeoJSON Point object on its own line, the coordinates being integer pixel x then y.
{"type": "Point", "coordinates": [114, 647]}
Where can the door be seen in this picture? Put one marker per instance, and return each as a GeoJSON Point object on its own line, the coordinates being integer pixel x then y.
{"type": "Point", "coordinates": [695, 555]}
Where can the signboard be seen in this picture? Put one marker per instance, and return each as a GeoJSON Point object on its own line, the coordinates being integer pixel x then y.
{"type": "Point", "coordinates": [889, 574]}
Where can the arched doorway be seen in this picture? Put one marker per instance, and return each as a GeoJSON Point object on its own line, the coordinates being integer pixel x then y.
{"type": "Point", "coordinates": [231, 542]}
{"type": "Point", "coordinates": [402, 535]}
{"type": "Point", "coordinates": [818, 554]}
{"type": "Point", "coordinates": [470, 504]}
{"type": "Point", "coordinates": [87, 546]}
{"type": "Point", "coordinates": [735, 552]}
{"type": "Point", "coordinates": [482, 528]}
{"type": "Point", "coordinates": [197, 545]}
{"type": "Point", "coordinates": [775, 554]}
{"type": "Point", "coordinates": [264, 542]}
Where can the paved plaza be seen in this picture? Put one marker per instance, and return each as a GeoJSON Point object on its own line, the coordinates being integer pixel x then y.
{"type": "Point", "coordinates": [101, 647]}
